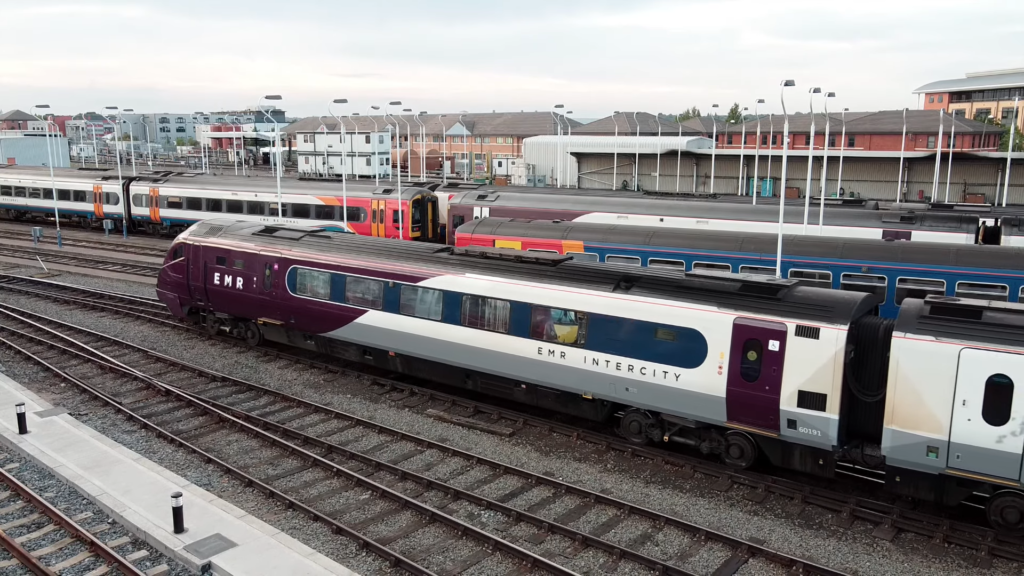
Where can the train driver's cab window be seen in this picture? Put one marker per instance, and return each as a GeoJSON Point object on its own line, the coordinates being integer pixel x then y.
{"type": "Point", "coordinates": [918, 288]}
{"type": "Point", "coordinates": [416, 211]}
{"type": "Point", "coordinates": [178, 252]}
{"type": "Point", "coordinates": [819, 278]}
{"type": "Point", "coordinates": [998, 400]}
{"type": "Point", "coordinates": [557, 325]}
{"type": "Point", "coordinates": [868, 283]}
{"type": "Point", "coordinates": [712, 266]}
{"type": "Point", "coordinates": [982, 291]}
{"type": "Point", "coordinates": [583, 256]}
{"type": "Point", "coordinates": [614, 259]}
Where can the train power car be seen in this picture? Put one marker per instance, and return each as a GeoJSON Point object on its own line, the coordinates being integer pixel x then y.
{"type": "Point", "coordinates": [891, 271]}
{"type": "Point", "coordinates": [743, 366]}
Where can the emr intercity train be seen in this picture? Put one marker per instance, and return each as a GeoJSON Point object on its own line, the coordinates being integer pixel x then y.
{"type": "Point", "coordinates": [744, 366]}
{"type": "Point", "coordinates": [891, 271]}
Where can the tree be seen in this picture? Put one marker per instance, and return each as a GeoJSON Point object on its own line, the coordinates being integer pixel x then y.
{"type": "Point", "coordinates": [180, 141]}
{"type": "Point", "coordinates": [693, 112]}
{"type": "Point", "coordinates": [735, 115]}
{"type": "Point", "coordinates": [192, 142]}
{"type": "Point", "coordinates": [1004, 141]}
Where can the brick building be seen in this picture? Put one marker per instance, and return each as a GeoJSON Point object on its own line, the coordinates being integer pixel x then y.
{"type": "Point", "coordinates": [978, 95]}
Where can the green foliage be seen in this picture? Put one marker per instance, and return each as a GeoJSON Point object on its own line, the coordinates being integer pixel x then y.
{"type": "Point", "coordinates": [693, 112]}
{"type": "Point", "coordinates": [735, 114]}
{"type": "Point", "coordinates": [180, 141]}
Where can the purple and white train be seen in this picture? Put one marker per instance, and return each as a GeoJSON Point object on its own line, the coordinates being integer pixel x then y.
{"type": "Point", "coordinates": [745, 367]}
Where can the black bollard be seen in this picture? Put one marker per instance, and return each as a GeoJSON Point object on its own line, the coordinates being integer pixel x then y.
{"type": "Point", "coordinates": [178, 513]}
{"type": "Point", "coordinates": [22, 421]}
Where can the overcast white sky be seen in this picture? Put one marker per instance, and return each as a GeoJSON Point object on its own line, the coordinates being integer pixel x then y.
{"type": "Point", "coordinates": [595, 56]}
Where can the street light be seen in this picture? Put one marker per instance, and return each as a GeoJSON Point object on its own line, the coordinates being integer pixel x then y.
{"type": "Point", "coordinates": [743, 145]}
{"type": "Point", "coordinates": [149, 148]}
{"type": "Point", "coordinates": [636, 163]}
{"type": "Point", "coordinates": [422, 136]}
{"type": "Point", "coordinates": [782, 191]}
{"type": "Point", "coordinates": [373, 144]}
{"type": "Point", "coordinates": [714, 145]}
{"type": "Point", "coordinates": [757, 148]}
{"type": "Point", "coordinates": [398, 147]}
{"type": "Point", "coordinates": [277, 141]}
{"type": "Point", "coordinates": [53, 183]}
{"type": "Point", "coordinates": [324, 126]}
{"type": "Point", "coordinates": [120, 182]}
{"type": "Point", "coordinates": [824, 166]}
{"type": "Point", "coordinates": [568, 146]}
{"type": "Point", "coordinates": [197, 119]}
{"type": "Point", "coordinates": [465, 143]}
{"type": "Point", "coordinates": [952, 141]}
{"type": "Point", "coordinates": [131, 135]}
{"type": "Point", "coordinates": [1009, 152]}
{"type": "Point", "coordinates": [679, 152]}
{"type": "Point", "coordinates": [408, 137]}
{"type": "Point", "coordinates": [341, 138]}
{"type": "Point", "coordinates": [938, 159]}
{"type": "Point", "coordinates": [842, 147]}
{"type": "Point", "coordinates": [615, 154]}
{"type": "Point", "coordinates": [810, 158]}
{"type": "Point", "coordinates": [444, 150]}
{"type": "Point", "coordinates": [352, 143]}
{"type": "Point", "coordinates": [657, 169]}
{"type": "Point", "coordinates": [558, 143]}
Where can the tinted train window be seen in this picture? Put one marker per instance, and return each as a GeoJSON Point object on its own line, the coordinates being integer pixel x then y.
{"type": "Point", "coordinates": [485, 313]}
{"type": "Point", "coordinates": [258, 208]}
{"type": "Point", "coordinates": [313, 283]}
{"type": "Point", "coordinates": [6, 191]}
{"type": "Point", "coordinates": [421, 302]}
{"type": "Point", "coordinates": [982, 291]}
{"type": "Point", "coordinates": [750, 362]}
{"type": "Point", "coordinates": [355, 214]}
{"type": "Point", "coordinates": [222, 260]}
{"type": "Point", "coordinates": [458, 221]}
{"type": "Point", "coordinates": [35, 193]}
{"type": "Point", "coordinates": [238, 264]}
{"type": "Point", "coordinates": [64, 195]}
{"type": "Point", "coordinates": [867, 283]}
{"type": "Point", "coordinates": [272, 209]}
{"type": "Point", "coordinates": [48, 194]}
{"type": "Point", "coordinates": [417, 211]}
{"type": "Point", "coordinates": [666, 263]}
{"type": "Point", "coordinates": [299, 210]}
{"type": "Point", "coordinates": [321, 212]}
{"type": "Point", "coordinates": [111, 199]}
{"type": "Point", "coordinates": [178, 252]}
{"type": "Point", "coordinates": [998, 400]}
{"type": "Point", "coordinates": [556, 325]}
{"type": "Point", "coordinates": [364, 292]}
{"type": "Point", "coordinates": [918, 288]}
{"type": "Point", "coordinates": [235, 206]}
{"type": "Point", "coordinates": [613, 259]}
{"type": "Point", "coordinates": [759, 270]}
{"type": "Point", "coordinates": [79, 196]}
{"type": "Point", "coordinates": [174, 202]}
{"type": "Point", "coordinates": [140, 200]}
{"type": "Point", "coordinates": [712, 266]}
{"type": "Point", "coordinates": [19, 192]}
{"type": "Point", "coordinates": [583, 256]}
{"type": "Point", "coordinates": [812, 277]}
{"type": "Point", "coordinates": [214, 205]}
{"type": "Point", "coordinates": [193, 203]}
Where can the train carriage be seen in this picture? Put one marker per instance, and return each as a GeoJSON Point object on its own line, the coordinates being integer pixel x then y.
{"type": "Point", "coordinates": [84, 199]}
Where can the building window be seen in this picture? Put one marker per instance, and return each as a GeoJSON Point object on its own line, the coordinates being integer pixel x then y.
{"type": "Point", "coordinates": [437, 139]}
{"type": "Point", "coordinates": [476, 140]}
{"type": "Point", "coordinates": [1007, 114]}
{"type": "Point", "coordinates": [179, 120]}
{"type": "Point", "coordinates": [982, 114]}
{"type": "Point", "coordinates": [940, 98]}
{"type": "Point", "coordinates": [728, 140]}
{"type": "Point", "coordinates": [163, 120]}
{"type": "Point", "coordinates": [998, 400]}
{"type": "Point", "coordinates": [775, 139]}
{"type": "Point", "coordinates": [180, 129]}
{"type": "Point", "coordinates": [380, 139]}
{"type": "Point", "coordinates": [931, 99]}
{"type": "Point", "coordinates": [487, 140]}
{"type": "Point", "coordinates": [305, 160]}
{"type": "Point", "coordinates": [764, 140]}
{"type": "Point", "coordinates": [851, 142]}
{"type": "Point", "coordinates": [831, 141]}
{"type": "Point", "coordinates": [961, 112]}
{"type": "Point", "coordinates": [931, 142]}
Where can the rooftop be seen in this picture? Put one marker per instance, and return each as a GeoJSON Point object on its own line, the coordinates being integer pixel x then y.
{"type": "Point", "coordinates": [627, 124]}
{"type": "Point", "coordinates": [17, 115]}
{"type": "Point", "coordinates": [485, 124]}
{"type": "Point", "coordinates": [881, 122]}
{"type": "Point", "coordinates": [976, 81]}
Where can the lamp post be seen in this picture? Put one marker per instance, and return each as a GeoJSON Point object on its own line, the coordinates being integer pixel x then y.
{"type": "Point", "coordinates": [408, 137]}
{"type": "Point", "coordinates": [757, 148]}
{"type": "Point", "coordinates": [53, 183]}
{"type": "Point", "coordinates": [636, 163]}
{"type": "Point", "coordinates": [824, 166]}
{"type": "Point", "coordinates": [782, 192]}
{"type": "Point", "coordinates": [558, 143]}
{"type": "Point", "coordinates": [1009, 151]}
{"type": "Point", "coordinates": [149, 149]}
{"type": "Point", "coordinates": [903, 148]}
{"type": "Point", "coordinates": [234, 154]}
{"type": "Point", "coordinates": [952, 142]}
{"type": "Point", "coordinates": [615, 153]}
{"type": "Point", "coordinates": [568, 146]}
{"type": "Point", "coordinates": [373, 144]}
{"type": "Point", "coordinates": [714, 144]}
{"type": "Point", "coordinates": [341, 139]}
{"type": "Point", "coordinates": [398, 147]}
{"type": "Point", "coordinates": [120, 182]}
{"type": "Point", "coordinates": [743, 146]}
{"type": "Point", "coordinates": [352, 142]}
{"type": "Point", "coordinates": [465, 143]}
{"type": "Point", "coordinates": [196, 120]}
{"type": "Point", "coordinates": [422, 136]}
{"type": "Point", "coordinates": [241, 142]}
{"type": "Point", "coordinates": [131, 135]}
{"type": "Point", "coordinates": [842, 147]}
{"type": "Point", "coordinates": [324, 128]}
{"type": "Point", "coordinates": [444, 150]}
{"type": "Point", "coordinates": [938, 158]}
{"type": "Point", "coordinates": [657, 169]}
{"type": "Point", "coordinates": [771, 142]}
{"type": "Point", "coordinates": [810, 158]}
{"type": "Point", "coordinates": [679, 152]}
{"type": "Point", "coordinates": [277, 141]}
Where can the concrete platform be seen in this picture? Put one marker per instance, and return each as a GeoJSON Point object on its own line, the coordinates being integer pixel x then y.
{"type": "Point", "coordinates": [137, 493]}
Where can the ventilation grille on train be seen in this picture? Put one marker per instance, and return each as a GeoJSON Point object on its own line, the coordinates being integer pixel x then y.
{"type": "Point", "coordinates": [211, 230]}
{"type": "Point", "coordinates": [809, 332]}
{"type": "Point", "coordinates": [811, 400]}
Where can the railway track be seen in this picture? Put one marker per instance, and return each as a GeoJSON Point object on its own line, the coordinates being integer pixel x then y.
{"type": "Point", "coordinates": [118, 247]}
{"type": "Point", "coordinates": [889, 519]}
{"type": "Point", "coordinates": [43, 541]}
{"type": "Point", "coordinates": [413, 476]}
{"type": "Point", "coordinates": [81, 261]}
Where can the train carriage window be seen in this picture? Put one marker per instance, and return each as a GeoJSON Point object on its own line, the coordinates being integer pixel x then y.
{"type": "Point", "coordinates": [614, 259]}
{"type": "Point", "coordinates": [238, 264]}
{"type": "Point", "coordinates": [750, 360]}
{"type": "Point", "coordinates": [421, 302]}
{"type": "Point", "coordinates": [272, 209]}
{"type": "Point", "coordinates": [214, 205]}
{"type": "Point", "coordinates": [111, 199]}
{"type": "Point", "coordinates": [666, 263]}
{"type": "Point", "coordinates": [998, 400]}
{"type": "Point", "coordinates": [79, 196]}
{"type": "Point", "coordinates": [665, 334]}
{"type": "Point", "coordinates": [918, 288]}
{"type": "Point", "coordinates": [193, 203]}
{"type": "Point", "coordinates": [313, 283]}
{"type": "Point", "coordinates": [321, 212]}
{"type": "Point", "coordinates": [48, 194]}
{"type": "Point", "coordinates": [235, 206]}
{"type": "Point", "coordinates": [485, 313]}
{"type": "Point", "coordinates": [298, 210]}
{"type": "Point", "coordinates": [712, 266]}
{"type": "Point", "coordinates": [556, 325]}
{"type": "Point", "coordinates": [364, 292]}
{"type": "Point", "coordinates": [982, 291]}
{"type": "Point", "coordinates": [584, 256]}
{"type": "Point", "coordinates": [19, 192]}
{"type": "Point", "coordinates": [221, 260]}
{"type": "Point", "coordinates": [256, 208]}
{"type": "Point", "coordinates": [35, 193]}
{"type": "Point", "coordinates": [812, 277]}
{"type": "Point", "coordinates": [759, 270]}
{"type": "Point", "coordinates": [174, 202]}
{"type": "Point", "coordinates": [867, 283]}
{"type": "Point", "coordinates": [64, 195]}
{"type": "Point", "coordinates": [140, 200]}
{"type": "Point", "coordinates": [416, 207]}
{"type": "Point", "coordinates": [6, 191]}
{"type": "Point", "coordinates": [458, 221]}
{"type": "Point", "coordinates": [356, 215]}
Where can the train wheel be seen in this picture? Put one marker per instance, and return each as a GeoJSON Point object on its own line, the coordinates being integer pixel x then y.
{"type": "Point", "coordinates": [85, 223]}
{"type": "Point", "coordinates": [253, 336]}
{"type": "Point", "coordinates": [740, 450]}
{"type": "Point", "coordinates": [1005, 512]}
{"type": "Point", "coordinates": [213, 325]}
{"type": "Point", "coordinates": [638, 426]}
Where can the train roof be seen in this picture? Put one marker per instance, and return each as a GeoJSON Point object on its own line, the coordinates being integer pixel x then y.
{"type": "Point", "coordinates": [745, 293]}
{"type": "Point", "coordinates": [794, 214]}
{"type": "Point", "coordinates": [810, 246]}
{"type": "Point", "coordinates": [949, 318]}
{"type": "Point", "coordinates": [214, 183]}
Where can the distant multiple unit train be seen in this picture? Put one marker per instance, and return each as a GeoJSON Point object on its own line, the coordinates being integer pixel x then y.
{"type": "Point", "coordinates": [743, 366]}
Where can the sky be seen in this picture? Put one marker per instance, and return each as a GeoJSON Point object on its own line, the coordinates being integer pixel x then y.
{"type": "Point", "coordinates": [593, 56]}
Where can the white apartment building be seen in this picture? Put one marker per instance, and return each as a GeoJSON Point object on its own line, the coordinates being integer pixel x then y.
{"type": "Point", "coordinates": [327, 154]}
